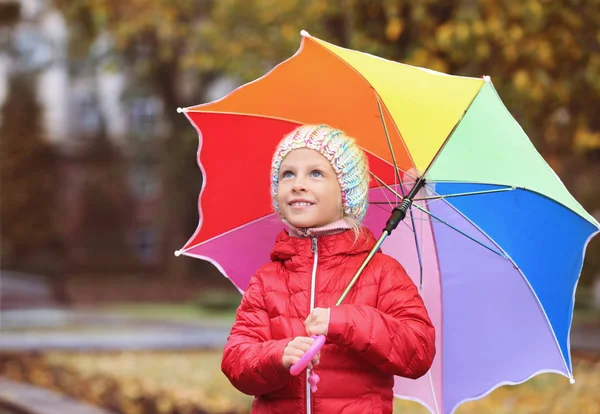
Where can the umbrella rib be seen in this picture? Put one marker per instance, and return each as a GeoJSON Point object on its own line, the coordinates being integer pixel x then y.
{"type": "Point", "coordinates": [531, 190]}
{"type": "Point", "coordinates": [437, 154]}
{"type": "Point", "coordinates": [443, 222]}
{"type": "Point", "coordinates": [384, 194]}
{"type": "Point", "coordinates": [508, 257]}
{"type": "Point", "coordinates": [389, 142]}
{"type": "Point", "coordinates": [438, 197]}
{"type": "Point", "coordinates": [397, 173]}
{"type": "Point", "coordinates": [406, 173]}
{"type": "Point", "coordinates": [381, 204]}
{"type": "Point", "coordinates": [460, 231]}
{"type": "Point", "coordinates": [384, 184]}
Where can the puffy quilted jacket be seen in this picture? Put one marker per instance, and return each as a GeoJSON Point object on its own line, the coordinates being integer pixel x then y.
{"type": "Point", "coordinates": [382, 328]}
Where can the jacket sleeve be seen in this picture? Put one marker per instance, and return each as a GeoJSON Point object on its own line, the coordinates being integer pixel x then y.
{"type": "Point", "coordinates": [252, 361]}
{"type": "Point", "coordinates": [397, 336]}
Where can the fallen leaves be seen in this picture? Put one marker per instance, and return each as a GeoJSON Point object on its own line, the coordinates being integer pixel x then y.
{"type": "Point", "coordinates": [192, 382]}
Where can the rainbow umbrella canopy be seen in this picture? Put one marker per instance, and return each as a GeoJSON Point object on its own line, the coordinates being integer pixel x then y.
{"type": "Point", "coordinates": [493, 239]}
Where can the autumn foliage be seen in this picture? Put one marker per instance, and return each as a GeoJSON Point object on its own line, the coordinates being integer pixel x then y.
{"type": "Point", "coordinates": [543, 57]}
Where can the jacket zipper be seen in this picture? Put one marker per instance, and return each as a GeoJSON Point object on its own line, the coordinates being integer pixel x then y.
{"type": "Point", "coordinates": [313, 283]}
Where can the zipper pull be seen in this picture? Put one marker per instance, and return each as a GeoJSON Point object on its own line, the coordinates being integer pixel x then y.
{"type": "Point", "coordinates": [314, 245]}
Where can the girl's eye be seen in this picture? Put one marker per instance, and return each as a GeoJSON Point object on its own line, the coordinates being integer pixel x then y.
{"type": "Point", "coordinates": [316, 174]}
{"type": "Point", "coordinates": [287, 174]}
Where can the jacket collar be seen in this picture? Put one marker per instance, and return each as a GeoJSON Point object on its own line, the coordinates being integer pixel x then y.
{"type": "Point", "coordinates": [343, 243]}
{"type": "Point", "coordinates": [336, 227]}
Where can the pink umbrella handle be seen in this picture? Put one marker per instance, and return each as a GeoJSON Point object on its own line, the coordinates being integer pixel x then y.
{"type": "Point", "coordinates": [301, 365]}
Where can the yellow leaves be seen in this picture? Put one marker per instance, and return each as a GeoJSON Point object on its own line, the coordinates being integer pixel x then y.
{"type": "Point", "coordinates": [394, 28]}
{"type": "Point", "coordinates": [164, 405]}
{"type": "Point", "coordinates": [533, 86]}
{"type": "Point", "coordinates": [421, 57]}
{"type": "Point", "coordinates": [546, 393]}
{"type": "Point", "coordinates": [521, 80]}
{"type": "Point", "coordinates": [515, 33]}
{"type": "Point", "coordinates": [534, 8]}
{"type": "Point", "coordinates": [235, 50]}
{"type": "Point", "coordinates": [534, 15]}
{"type": "Point", "coordinates": [592, 72]}
{"type": "Point", "coordinates": [483, 49]}
{"type": "Point", "coordinates": [316, 9]}
{"type": "Point", "coordinates": [462, 32]}
{"type": "Point", "coordinates": [175, 381]}
{"type": "Point", "coordinates": [544, 53]}
{"type": "Point", "coordinates": [289, 32]}
{"type": "Point", "coordinates": [444, 35]}
{"type": "Point", "coordinates": [495, 25]}
{"type": "Point", "coordinates": [454, 35]}
{"type": "Point", "coordinates": [510, 52]}
{"type": "Point", "coordinates": [438, 64]}
{"type": "Point", "coordinates": [586, 140]}
{"type": "Point", "coordinates": [188, 382]}
{"type": "Point", "coordinates": [572, 19]}
{"type": "Point", "coordinates": [478, 28]}
{"type": "Point", "coordinates": [561, 91]}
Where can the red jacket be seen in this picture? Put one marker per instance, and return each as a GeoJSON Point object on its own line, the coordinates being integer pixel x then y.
{"type": "Point", "coordinates": [382, 328]}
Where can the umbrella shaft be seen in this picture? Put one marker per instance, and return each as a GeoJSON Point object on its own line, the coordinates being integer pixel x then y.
{"type": "Point", "coordinates": [398, 214]}
{"type": "Point", "coordinates": [362, 266]}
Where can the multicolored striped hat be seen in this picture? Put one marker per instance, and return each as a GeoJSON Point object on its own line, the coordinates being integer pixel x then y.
{"type": "Point", "coordinates": [347, 159]}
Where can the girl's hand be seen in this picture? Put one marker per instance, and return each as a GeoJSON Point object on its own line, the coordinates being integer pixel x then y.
{"type": "Point", "coordinates": [317, 322]}
{"type": "Point", "coordinates": [295, 349]}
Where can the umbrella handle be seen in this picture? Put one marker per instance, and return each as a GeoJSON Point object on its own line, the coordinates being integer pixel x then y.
{"type": "Point", "coordinates": [301, 365]}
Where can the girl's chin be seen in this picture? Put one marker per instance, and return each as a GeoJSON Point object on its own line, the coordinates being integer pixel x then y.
{"type": "Point", "coordinates": [306, 221]}
{"type": "Point", "coordinates": [303, 224]}
{"type": "Point", "coordinates": [306, 224]}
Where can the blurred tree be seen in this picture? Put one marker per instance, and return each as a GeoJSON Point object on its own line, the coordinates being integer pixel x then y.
{"type": "Point", "coordinates": [10, 12]}
{"type": "Point", "coordinates": [152, 39]}
{"type": "Point", "coordinates": [107, 209]}
{"type": "Point", "coordinates": [28, 176]}
{"type": "Point", "coordinates": [543, 56]}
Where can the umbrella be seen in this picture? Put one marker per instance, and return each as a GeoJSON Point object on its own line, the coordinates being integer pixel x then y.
{"type": "Point", "coordinates": [492, 238]}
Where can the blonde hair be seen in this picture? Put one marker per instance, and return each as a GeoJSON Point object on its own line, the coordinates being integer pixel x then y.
{"type": "Point", "coordinates": [355, 226]}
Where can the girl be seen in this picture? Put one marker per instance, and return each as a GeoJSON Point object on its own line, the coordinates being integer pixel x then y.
{"type": "Point", "coordinates": [319, 187]}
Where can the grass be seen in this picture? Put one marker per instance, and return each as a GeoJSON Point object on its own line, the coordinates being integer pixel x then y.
{"type": "Point", "coordinates": [172, 312]}
{"type": "Point", "coordinates": [195, 311]}
{"type": "Point", "coordinates": [196, 377]}
{"type": "Point", "coordinates": [129, 313]}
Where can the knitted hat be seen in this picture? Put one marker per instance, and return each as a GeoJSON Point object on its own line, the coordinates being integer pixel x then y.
{"type": "Point", "coordinates": [347, 159]}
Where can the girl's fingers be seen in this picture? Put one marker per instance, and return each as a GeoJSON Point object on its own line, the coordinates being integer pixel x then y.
{"type": "Point", "coordinates": [302, 348]}
{"type": "Point", "coordinates": [303, 342]}
{"type": "Point", "coordinates": [296, 353]}
{"type": "Point", "coordinates": [316, 359]}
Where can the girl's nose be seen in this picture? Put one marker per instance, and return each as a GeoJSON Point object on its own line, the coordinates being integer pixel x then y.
{"type": "Point", "coordinates": [299, 184]}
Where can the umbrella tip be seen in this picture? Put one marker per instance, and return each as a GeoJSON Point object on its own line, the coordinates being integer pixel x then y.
{"type": "Point", "coordinates": [177, 252]}
{"type": "Point", "coordinates": [487, 78]}
{"type": "Point", "coordinates": [180, 110]}
{"type": "Point", "coordinates": [572, 380]}
{"type": "Point", "coordinates": [304, 33]}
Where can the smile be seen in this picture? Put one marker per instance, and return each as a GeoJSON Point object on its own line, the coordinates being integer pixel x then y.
{"type": "Point", "coordinates": [301, 204]}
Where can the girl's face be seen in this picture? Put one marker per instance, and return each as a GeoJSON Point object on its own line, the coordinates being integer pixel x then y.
{"type": "Point", "coordinates": [309, 194]}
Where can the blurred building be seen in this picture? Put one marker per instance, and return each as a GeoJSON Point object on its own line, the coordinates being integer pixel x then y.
{"type": "Point", "coordinates": [103, 129]}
